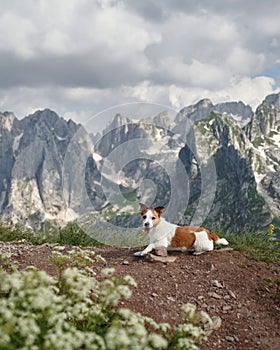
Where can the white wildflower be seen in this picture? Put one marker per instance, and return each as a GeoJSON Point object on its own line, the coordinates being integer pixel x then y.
{"type": "Point", "coordinates": [124, 291]}
{"type": "Point", "coordinates": [164, 327]}
{"type": "Point", "coordinates": [108, 271]}
{"type": "Point", "coordinates": [130, 280]}
{"type": "Point", "coordinates": [44, 298]}
{"type": "Point", "coordinates": [205, 318]}
{"type": "Point", "coordinates": [100, 259]}
{"type": "Point", "coordinates": [186, 343]}
{"type": "Point", "coordinates": [157, 341]}
{"type": "Point", "coordinates": [139, 330]}
{"type": "Point", "coordinates": [189, 309]}
{"type": "Point", "coordinates": [59, 247]}
{"type": "Point", "coordinates": [117, 338]}
{"type": "Point", "coordinates": [27, 326]}
{"type": "Point", "coordinates": [4, 340]}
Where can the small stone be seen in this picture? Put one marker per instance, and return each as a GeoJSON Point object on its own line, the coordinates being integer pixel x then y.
{"type": "Point", "coordinates": [216, 324]}
{"type": "Point", "coordinates": [161, 251]}
{"type": "Point", "coordinates": [210, 267]}
{"type": "Point", "coordinates": [125, 262]}
{"type": "Point", "coordinates": [164, 259]}
{"type": "Point", "coordinates": [154, 295]}
{"type": "Point", "coordinates": [226, 308]}
{"type": "Point", "coordinates": [171, 299]}
{"type": "Point", "coordinates": [229, 339]}
{"type": "Point", "coordinates": [214, 295]}
{"type": "Point", "coordinates": [45, 245]}
{"type": "Point", "coordinates": [200, 297]}
{"type": "Point", "coordinates": [230, 292]}
{"type": "Point", "coordinates": [217, 284]}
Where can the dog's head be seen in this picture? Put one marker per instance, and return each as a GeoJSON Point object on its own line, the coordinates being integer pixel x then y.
{"type": "Point", "coordinates": [150, 217]}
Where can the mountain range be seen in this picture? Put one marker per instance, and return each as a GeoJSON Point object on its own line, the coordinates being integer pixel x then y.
{"type": "Point", "coordinates": [216, 165]}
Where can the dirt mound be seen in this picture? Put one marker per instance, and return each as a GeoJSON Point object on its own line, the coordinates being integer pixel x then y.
{"type": "Point", "coordinates": [239, 292]}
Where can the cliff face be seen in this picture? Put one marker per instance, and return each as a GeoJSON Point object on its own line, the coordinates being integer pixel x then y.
{"type": "Point", "coordinates": [237, 204]}
{"type": "Point", "coordinates": [33, 151]}
{"type": "Point", "coordinates": [264, 133]}
{"type": "Point", "coordinates": [228, 174]}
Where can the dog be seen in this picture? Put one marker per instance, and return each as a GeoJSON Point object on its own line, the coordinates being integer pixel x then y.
{"type": "Point", "coordinates": [165, 234]}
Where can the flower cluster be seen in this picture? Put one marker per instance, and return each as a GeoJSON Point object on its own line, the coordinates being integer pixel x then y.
{"type": "Point", "coordinates": [77, 310]}
{"type": "Point", "coordinates": [270, 230]}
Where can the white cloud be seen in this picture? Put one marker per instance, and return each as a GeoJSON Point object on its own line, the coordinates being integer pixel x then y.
{"type": "Point", "coordinates": [78, 56]}
{"type": "Point", "coordinates": [193, 74]}
{"type": "Point", "coordinates": [146, 92]}
{"type": "Point", "coordinates": [241, 61]}
{"type": "Point", "coordinates": [75, 27]}
{"type": "Point", "coordinates": [251, 91]}
{"type": "Point", "coordinates": [15, 34]}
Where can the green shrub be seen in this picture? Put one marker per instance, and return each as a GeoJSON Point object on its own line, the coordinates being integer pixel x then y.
{"type": "Point", "coordinates": [76, 310]}
{"type": "Point", "coordinates": [9, 233]}
{"type": "Point", "coordinates": [72, 234]}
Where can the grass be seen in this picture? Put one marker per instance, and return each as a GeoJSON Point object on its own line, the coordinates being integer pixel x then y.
{"type": "Point", "coordinates": [258, 246]}
{"type": "Point", "coordinates": [74, 234]}
{"type": "Point", "coordinates": [277, 296]}
{"type": "Point", "coordinates": [71, 234]}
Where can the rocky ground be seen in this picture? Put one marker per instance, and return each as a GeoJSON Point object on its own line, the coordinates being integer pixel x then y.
{"type": "Point", "coordinates": [237, 292]}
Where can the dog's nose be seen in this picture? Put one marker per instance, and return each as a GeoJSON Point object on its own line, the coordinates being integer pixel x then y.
{"type": "Point", "coordinates": [146, 224]}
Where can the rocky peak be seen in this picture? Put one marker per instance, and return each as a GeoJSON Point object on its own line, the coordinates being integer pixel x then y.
{"type": "Point", "coordinates": [162, 119]}
{"type": "Point", "coordinates": [35, 149]}
{"type": "Point", "coordinates": [265, 119]}
{"type": "Point", "coordinates": [7, 120]}
{"type": "Point", "coordinates": [234, 108]}
{"type": "Point", "coordinates": [222, 129]}
{"type": "Point", "coordinates": [273, 99]}
{"type": "Point", "coordinates": [236, 111]}
{"type": "Point", "coordinates": [118, 121]}
{"type": "Point", "coordinates": [47, 117]}
{"type": "Point", "coordinates": [204, 103]}
{"type": "Point", "coordinates": [195, 112]}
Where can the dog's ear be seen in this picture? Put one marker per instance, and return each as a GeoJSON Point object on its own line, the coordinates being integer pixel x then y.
{"type": "Point", "coordinates": [159, 210]}
{"type": "Point", "coordinates": [143, 207]}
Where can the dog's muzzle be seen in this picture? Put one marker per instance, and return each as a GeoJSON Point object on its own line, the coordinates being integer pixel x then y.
{"type": "Point", "coordinates": [147, 228]}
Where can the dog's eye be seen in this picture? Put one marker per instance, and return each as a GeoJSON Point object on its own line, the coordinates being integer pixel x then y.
{"type": "Point", "coordinates": [144, 217]}
{"type": "Point", "coordinates": [153, 218]}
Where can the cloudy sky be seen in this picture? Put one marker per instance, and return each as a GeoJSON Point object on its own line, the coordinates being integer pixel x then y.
{"type": "Point", "coordinates": [79, 57]}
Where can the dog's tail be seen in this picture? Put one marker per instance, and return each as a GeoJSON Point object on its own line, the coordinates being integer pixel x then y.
{"type": "Point", "coordinates": [217, 239]}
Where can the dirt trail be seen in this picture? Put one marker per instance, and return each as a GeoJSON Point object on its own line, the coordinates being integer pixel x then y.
{"type": "Point", "coordinates": [225, 284]}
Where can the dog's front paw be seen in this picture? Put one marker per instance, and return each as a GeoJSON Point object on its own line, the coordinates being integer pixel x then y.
{"type": "Point", "coordinates": [141, 253]}
{"type": "Point", "coordinates": [137, 254]}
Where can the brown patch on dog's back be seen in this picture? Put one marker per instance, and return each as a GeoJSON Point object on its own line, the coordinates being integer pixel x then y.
{"type": "Point", "coordinates": [183, 238]}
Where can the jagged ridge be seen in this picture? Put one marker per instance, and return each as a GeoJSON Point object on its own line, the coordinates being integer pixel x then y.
{"type": "Point", "coordinates": [247, 160]}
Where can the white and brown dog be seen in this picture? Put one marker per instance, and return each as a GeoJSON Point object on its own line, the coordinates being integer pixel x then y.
{"type": "Point", "coordinates": [165, 234]}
